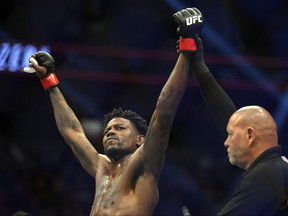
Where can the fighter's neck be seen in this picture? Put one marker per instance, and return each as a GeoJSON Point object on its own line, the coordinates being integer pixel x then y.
{"type": "Point", "coordinates": [118, 166]}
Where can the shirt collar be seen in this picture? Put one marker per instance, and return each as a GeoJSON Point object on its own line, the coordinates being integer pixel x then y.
{"type": "Point", "coordinates": [269, 153]}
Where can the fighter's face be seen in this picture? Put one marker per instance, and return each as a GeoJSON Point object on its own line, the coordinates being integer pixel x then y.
{"type": "Point", "coordinates": [120, 137]}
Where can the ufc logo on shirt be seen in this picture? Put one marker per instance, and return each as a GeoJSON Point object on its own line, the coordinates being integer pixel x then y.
{"type": "Point", "coordinates": [194, 19]}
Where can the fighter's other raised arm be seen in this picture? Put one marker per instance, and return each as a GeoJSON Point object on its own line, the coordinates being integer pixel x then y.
{"type": "Point", "coordinates": [158, 133]}
{"type": "Point", "coordinates": [68, 124]}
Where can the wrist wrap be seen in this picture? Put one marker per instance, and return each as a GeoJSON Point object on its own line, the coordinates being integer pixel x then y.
{"type": "Point", "coordinates": [187, 44]}
{"type": "Point", "coordinates": [50, 81]}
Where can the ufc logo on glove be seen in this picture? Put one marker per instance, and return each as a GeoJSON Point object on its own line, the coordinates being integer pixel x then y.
{"type": "Point", "coordinates": [191, 22]}
{"type": "Point", "coordinates": [193, 19]}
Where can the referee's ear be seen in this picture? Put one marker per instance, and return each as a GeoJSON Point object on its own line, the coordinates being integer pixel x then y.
{"type": "Point", "coordinates": [251, 136]}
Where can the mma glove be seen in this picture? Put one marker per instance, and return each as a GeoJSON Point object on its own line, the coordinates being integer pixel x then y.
{"type": "Point", "coordinates": [47, 77]}
{"type": "Point", "coordinates": [46, 60]}
{"type": "Point", "coordinates": [191, 22]}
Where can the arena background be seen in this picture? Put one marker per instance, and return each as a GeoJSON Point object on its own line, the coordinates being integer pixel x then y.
{"type": "Point", "coordinates": [119, 54]}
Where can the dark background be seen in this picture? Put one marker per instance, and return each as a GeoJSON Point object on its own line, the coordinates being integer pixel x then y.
{"type": "Point", "coordinates": [119, 54]}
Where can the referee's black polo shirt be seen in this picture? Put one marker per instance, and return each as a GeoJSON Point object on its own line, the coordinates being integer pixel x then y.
{"type": "Point", "coordinates": [263, 188]}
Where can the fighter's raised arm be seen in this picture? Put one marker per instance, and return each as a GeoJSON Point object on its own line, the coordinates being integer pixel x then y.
{"type": "Point", "coordinates": [66, 120]}
{"type": "Point", "coordinates": [161, 122]}
{"type": "Point", "coordinates": [217, 100]}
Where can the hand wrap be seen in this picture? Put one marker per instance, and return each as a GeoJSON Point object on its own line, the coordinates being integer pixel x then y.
{"type": "Point", "coordinates": [187, 45]}
{"type": "Point", "coordinates": [50, 81]}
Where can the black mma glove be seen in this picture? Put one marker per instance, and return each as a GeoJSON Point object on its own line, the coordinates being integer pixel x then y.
{"type": "Point", "coordinates": [46, 60]}
{"type": "Point", "coordinates": [190, 22]}
{"type": "Point", "coordinates": [39, 60]}
{"type": "Point", "coordinates": [44, 65]}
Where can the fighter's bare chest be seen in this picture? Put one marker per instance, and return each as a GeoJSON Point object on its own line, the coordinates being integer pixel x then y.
{"type": "Point", "coordinates": [109, 185]}
{"type": "Point", "coordinates": [108, 191]}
